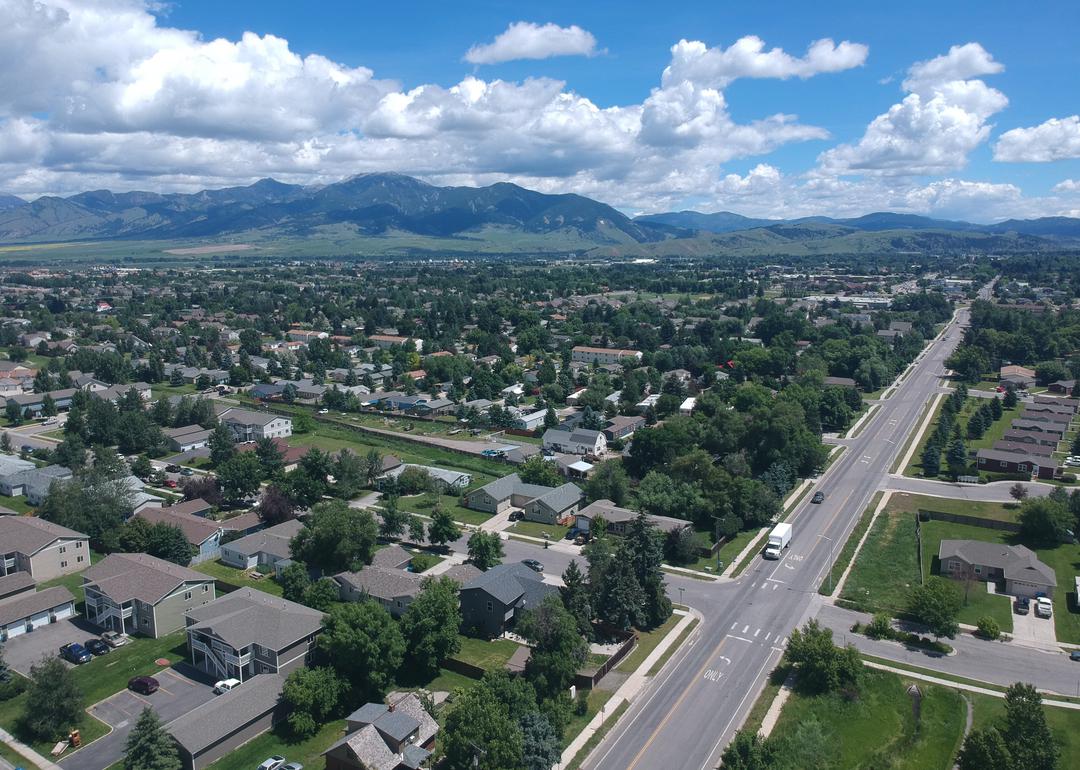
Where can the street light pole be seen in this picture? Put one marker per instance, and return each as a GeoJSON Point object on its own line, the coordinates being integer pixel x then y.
{"type": "Point", "coordinates": [832, 545]}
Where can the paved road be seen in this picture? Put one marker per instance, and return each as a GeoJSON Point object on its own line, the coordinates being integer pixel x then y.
{"type": "Point", "coordinates": [1001, 663]}
{"type": "Point", "coordinates": [686, 717]}
{"type": "Point", "coordinates": [995, 492]}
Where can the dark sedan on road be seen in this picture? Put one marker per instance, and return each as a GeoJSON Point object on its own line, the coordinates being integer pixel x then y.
{"type": "Point", "coordinates": [145, 685]}
{"type": "Point", "coordinates": [819, 497]}
{"type": "Point", "coordinates": [533, 564]}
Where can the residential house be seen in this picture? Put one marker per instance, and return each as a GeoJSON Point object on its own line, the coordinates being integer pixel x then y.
{"type": "Point", "coordinates": [1036, 450]}
{"type": "Point", "coordinates": [1016, 565]}
{"type": "Point", "coordinates": [40, 548]}
{"type": "Point", "coordinates": [1038, 427]}
{"type": "Point", "coordinates": [1017, 376]}
{"type": "Point", "coordinates": [576, 442]}
{"type": "Point", "coordinates": [623, 426]}
{"type": "Point", "coordinates": [687, 407]}
{"type": "Point", "coordinates": [221, 725]}
{"type": "Point", "coordinates": [618, 519]}
{"type": "Point", "coordinates": [446, 481]}
{"type": "Point", "coordinates": [34, 403]}
{"type": "Point", "coordinates": [996, 461]}
{"type": "Point", "coordinates": [388, 581]}
{"type": "Point", "coordinates": [492, 601]}
{"type": "Point", "coordinates": [540, 503]}
{"type": "Point", "coordinates": [394, 341]}
{"type": "Point", "coordinates": [1031, 437]}
{"type": "Point", "coordinates": [399, 736]}
{"type": "Point", "coordinates": [590, 355]}
{"type": "Point", "coordinates": [530, 420]}
{"type": "Point", "coordinates": [187, 437]}
{"type": "Point", "coordinates": [247, 425]}
{"type": "Point", "coordinates": [436, 407]}
{"type": "Point", "coordinates": [138, 593]}
{"type": "Point", "coordinates": [247, 632]}
{"type": "Point", "coordinates": [266, 547]}
{"type": "Point", "coordinates": [29, 610]}
{"type": "Point", "coordinates": [202, 533]}
{"type": "Point", "coordinates": [1064, 387]}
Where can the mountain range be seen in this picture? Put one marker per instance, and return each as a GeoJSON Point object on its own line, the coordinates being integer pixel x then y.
{"type": "Point", "coordinates": [393, 208]}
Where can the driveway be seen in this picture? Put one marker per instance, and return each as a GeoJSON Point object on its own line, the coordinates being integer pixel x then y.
{"type": "Point", "coordinates": [25, 650]}
{"type": "Point", "coordinates": [179, 694]}
{"type": "Point", "coordinates": [1033, 631]}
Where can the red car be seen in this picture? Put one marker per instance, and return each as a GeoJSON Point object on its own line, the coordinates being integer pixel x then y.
{"type": "Point", "coordinates": [170, 483]}
{"type": "Point", "coordinates": [143, 684]}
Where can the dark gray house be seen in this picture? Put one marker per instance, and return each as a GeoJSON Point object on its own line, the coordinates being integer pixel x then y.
{"type": "Point", "coordinates": [492, 600]}
{"type": "Point", "coordinates": [1018, 567]}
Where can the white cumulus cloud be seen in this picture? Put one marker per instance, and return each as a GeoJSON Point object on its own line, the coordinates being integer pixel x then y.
{"type": "Point", "coordinates": [941, 120]}
{"type": "Point", "coordinates": [1056, 139]}
{"type": "Point", "coordinates": [747, 58]}
{"type": "Point", "coordinates": [526, 40]}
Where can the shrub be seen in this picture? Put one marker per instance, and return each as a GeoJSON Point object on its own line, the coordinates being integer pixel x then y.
{"type": "Point", "coordinates": [422, 562]}
{"type": "Point", "coordinates": [880, 627]}
{"type": "Point", "coordinates": [988, 628]}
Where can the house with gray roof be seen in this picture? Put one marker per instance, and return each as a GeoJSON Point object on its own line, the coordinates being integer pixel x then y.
{"type": "Point", "coordinates": [398, 736]}
{"type": "Point", "coordinates": [445, 480]}
{"type": "Point", "coordinates": [30, 610]}
{"type": "Point", "coordinates": [388, 581]}
{"type": "Point", "coordinates": [267, 547]}
{"type": "Point", "coordinates": [249, 632]}
{"type": "Point", "coordinates": [492, 601]}
{"type": "Point", "coordinates": [40, 548]}
{"type": "Point", "coordinates": [34, 483]}
{"type": "Point", "coordinates": [546, 505]}
{"type": "Point", "coordinates": [247, 425]}
{"type": "Point", "coordinates": [219, 726]}
{"type": "Point", "coordinates": [576, 442]}
{"type": "Point", "coordinates": [1021, 571]}
{"type": "Point", "coordinates": [202, 533]}
{"type": "Point", "coordinates": [618, 519]}
{"type": "Point", "coordinates": [135, 593]}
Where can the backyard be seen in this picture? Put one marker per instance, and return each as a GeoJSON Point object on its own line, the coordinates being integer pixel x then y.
{"type": "Point", "coordinates": [238, 577]}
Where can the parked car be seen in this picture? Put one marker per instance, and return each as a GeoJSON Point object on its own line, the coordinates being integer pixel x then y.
{"type": "Point", "coordinates": [225, 685]}
{"type": "Point", "coordinates": [170, 483]}
{"type": "Point", "coordinates": [1021, 605]}
{"type": "Point", "coordinates": [581, 540]}
{"type": "Point", "coordinates": [533, 564]}
{"type": "Point", "coordinates": [516, 515]}
{"type": "Point", "coordinates": [1074, 655]}
{"type": "Point", "coordinates": [293, 766]}
{"type": "Point", "coordinates": [490, 453]}
{"type": "Point", "coordinates": [97, 647]}
{"type": "Point", "coordinates": [75, 653]}
{"type": "Point", "coordinates": [27, 449]}
{"type": "Point", "coordinates": [115, 639]}
{"type": "Point", "coordinates": [187, 472]}
{"type": "Point", "coordinates": [1044, 608]}
{"type": "Point", "coordinates": [146, 685]}
{"type": "Point", "coordinates": [172, 468]}
{"type": "Point", "coordinates": [819, 497]}
{"type": "Point", "coordinates": [272, 763]}
{"type": "Point", "coordinates": [324, 411]}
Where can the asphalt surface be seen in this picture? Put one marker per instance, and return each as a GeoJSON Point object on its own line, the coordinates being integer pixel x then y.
{"type": "Point", "coordinates": [686, 716]}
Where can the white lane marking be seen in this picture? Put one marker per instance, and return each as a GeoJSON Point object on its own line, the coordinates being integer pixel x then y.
{"type": "Point", "coordinates": [740, 638]}
{"type": "Point", "coordinates": [733, 625]}
{"type": "Point", "coordinates": [774, 580]}
{"type": "Point", "coordinates": [767, 636]}
{"type": "Point", "coordinates": [756, 633]}
{"type": "Point", "coordinates": [746, 628]}
{"type": "Point", "coordinates": [712, 675]}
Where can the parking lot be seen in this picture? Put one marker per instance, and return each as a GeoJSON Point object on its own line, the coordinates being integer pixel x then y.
{"type": "Point", "coordinates": [25, 650]}
{"type": "Point", "coordinates": [181, 691]}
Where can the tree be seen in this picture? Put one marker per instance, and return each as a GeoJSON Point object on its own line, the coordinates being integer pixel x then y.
{"type": "Point", "coordinates": [608, 482]}
{"type": "Point", "coordinates": [537, 470]}
{"type": "Point", "coordinates": [312, 694]}
{"type": "Point", "coordinates": [168, 542]}
{"type": "Point", "coordinates": [71, 453]}
{"type": "Point", "coordinates": [416, 529]}
{"type": "Point", "coordinates": [996, 409]}
{"type": "Point", "coordinates": [1045, 520]}
{"type": "Point", "coordinates": [442, 528]}
{"type": "Point", "coordinates": [618, 598]}
{"type": "Point", "coordinates": [205, 487]}
{"type": "Point", "coordinates": [822, 666]}
{"type": "Point", "coordinates": [430, 626]}
{"type": "Point", "coordinates": [322, 594]}
{"type": "Point", "coordinates": [1018, 492]}
{"type": "Point", "coordinates": [13, 414]}
{"type": "Point", "coordinates": [540, 746]}
{"type": "Point", "coordinates": [575, 597]}
{"type": "Point", "coordinates": [275, 506]}
{"type": "Point", "coordinates": [957, 456]}
{"type": "Point", "coordinates": [54, 702]}
{"type": "Point", "coordinates": [270, 457]}
{"type": "Point", "coordinates": [558, 647]}
{"type": "Point", "coordinates": [747, 751]}
{"type": "Point", "coordinates": [479, 734]}
{"type": "Point", "coordinates": [1028, 737]}
{"type": "Point", "coordinates": [485, 549]}
{"type": "Point", "coordinates": [983, 749]}
{"type": "Point", "coordinates": [239, 476]}
{"type": "Point", "coordinates": [5, 442]}
{"type": "Point", "coordinates": [295, 581]}
{"type": "Point", "coordinates": [647, 552]}
{"type": "Point", "coordinates": [1010, 400]}
{"type": "Point", "coordinates": [364, 644]}
{"type": "Point", "coordinates": [141, 467]}
{"type": "Point", "coordinates": [93, 502]}
{"type": "Point", "coordinates": [551, 419]}
{"type": "Point", "coordinates": [149, 747]}
{"type": "Point", "coordinates": [336, 538]}
{"type": "Point", "coordinates": [393, 521]}
{"type": "Point", "coordinates": [936, 604]}
{"type": "Point", "coordinates": [988, 628]}
{"type": "Point", "coordinates": [349, 474]}
{"type": "Point", "coordinates": [221, 444]}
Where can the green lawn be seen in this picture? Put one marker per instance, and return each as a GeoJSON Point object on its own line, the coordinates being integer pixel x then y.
{"type": "Point", "coordinates": [844, 557]}
{"type": "Point", "coordinates": [17, 504]}
{"type": "Point", "coordinates": [12, 757]}
{"type": "Point", "coordinates": [596, 698]}
{"type": "Point", "coordinates": [488, 655]}
{"type": "Point", "coordinates": [971, 404]}
{"type": "Point", "coordinates": [279, 741]}
{"type": "Point", "coordinates": [425, 503]}
{"type": "Point", "coordinates": [888, 565]}
{"type": "Point", "coordinates": [1064, 724]}
{"type": "Point", "coordinates": [221, 571]}
{"type": "Point", "coordinates": [646, 643]}
{"type": "Point", "coordinates": [536, 529]}
{"type": "Point", "coordinates": [878, 729]}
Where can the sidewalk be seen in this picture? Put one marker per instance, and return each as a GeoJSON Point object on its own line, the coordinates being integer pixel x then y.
{"type": "Point", "coordinates": [21, 748]}
{"type": "Point", "coordinates": [630, 688]}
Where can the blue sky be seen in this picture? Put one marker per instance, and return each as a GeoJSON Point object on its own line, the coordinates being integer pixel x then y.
{"type": "Point", "coordinates": [204, 94]}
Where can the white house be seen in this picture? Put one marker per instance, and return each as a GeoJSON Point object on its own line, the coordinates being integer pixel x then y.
{"type": "Point", "coordinates": [247, 425]}
{"type": "Point", "coordinates": [575, 442]}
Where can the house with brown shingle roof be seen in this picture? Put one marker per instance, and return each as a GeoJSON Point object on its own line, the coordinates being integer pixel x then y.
{"type": "Point", "coordinates": [204, 534]}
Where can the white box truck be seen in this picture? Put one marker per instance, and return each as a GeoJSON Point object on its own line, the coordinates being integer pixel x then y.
{"type": "Point", "coordinates": [778, 540]}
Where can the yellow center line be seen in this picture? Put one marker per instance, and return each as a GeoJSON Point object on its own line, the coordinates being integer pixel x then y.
{"type": "Point", "coordinates": [671, 712]}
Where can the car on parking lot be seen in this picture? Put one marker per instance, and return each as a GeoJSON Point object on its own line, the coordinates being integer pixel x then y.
{"type": "Point", "coordinates": [75, 653]}
{"type": "Point", "coordinates": [581, 540]}
{"type": "Point", "coordinates": [187, 472]}
{"type": "Point", "coordinates": [324, 411]}
{"type": "Point", "coordinates": [170, 483]}
{"type": "Point", "coordinates": [1021, 605]}
{"type": "Point", "coordinates": [533, 564]}
{"type": "Point", "coordinates": [1044, 608]}
{"type": "Point", "coordinates": [293, 766]}
{"type": "Point", "coordinates": [96, 646]}
{"type": "Point", "coordinates": [490, 453]}
{"type": "Point", "coordinates": [172, 468]}
{"type": "Point", "coordinates": [115, 639]}
{"type": "Point", "coordinates": [819, 497]}
{"type": "Point", "coordinates": [146, 685]}
{"type": "Point", "coordinates": [225, 685]}
{"type": "Point", "coordinates": [27, 448]}
{"type": "Point", "coordinates": [272, 763]}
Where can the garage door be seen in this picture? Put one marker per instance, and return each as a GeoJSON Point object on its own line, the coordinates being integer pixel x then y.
{"type": "Point", "coordinates": [65, 612]}
{"type": "Point", "coordinates": [16, 629]}
{"type": "Point", "coordinates": [40, 619]}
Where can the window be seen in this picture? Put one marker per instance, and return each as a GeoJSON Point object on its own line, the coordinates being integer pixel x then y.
{"type": "Point", "coordinates": [63, 564]}
{"type": "Point", "coordinates": [78, 543]}
{"type": "Point", "coordinates": [978, 569]}
{"type": "Point", "coordinates": [490, 608]}
{"type": "Point", "coordinates": [78, 558]}
{"type": "Point", "coordinates": [205, 587]}
{"type": "Point", "coordinates": [187, 594]}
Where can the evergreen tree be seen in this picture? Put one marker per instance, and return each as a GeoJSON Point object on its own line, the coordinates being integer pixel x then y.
{"type": "Point", "coordinates": [1028, 737]}
{"type": "Point", "coordinates": [983, 750]}
{"type": "Point", "coordinates": [149, 747]}
{"type": "Point", "coordinates": [221, 445]}
{"type": "Point", "coordinates": [575, 597]}
{"type": "Point", "coordinates": [931, 460]}
{"type": "Point", "coordinates": [1010, 400]}
{"type": "Point", "coordinates": [996, 409]}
